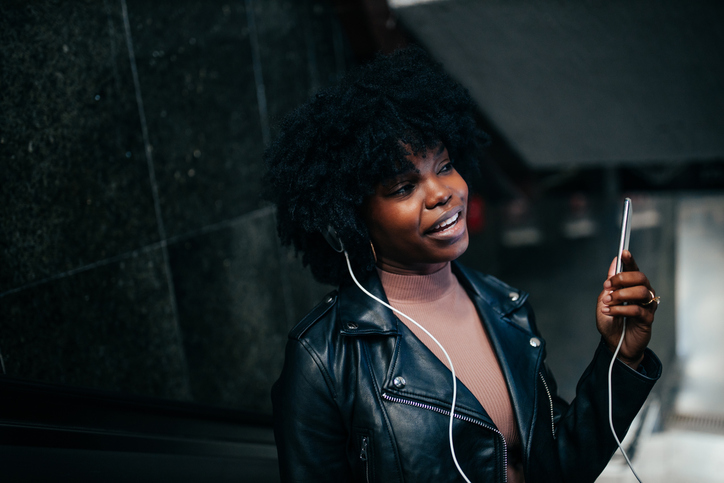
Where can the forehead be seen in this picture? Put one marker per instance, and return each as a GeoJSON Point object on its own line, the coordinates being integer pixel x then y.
{"type": "Point", "coordinates": [421, 157]}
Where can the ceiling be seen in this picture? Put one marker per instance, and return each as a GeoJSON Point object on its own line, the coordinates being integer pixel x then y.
{"type": "Point", "coordinates": [587, 83]}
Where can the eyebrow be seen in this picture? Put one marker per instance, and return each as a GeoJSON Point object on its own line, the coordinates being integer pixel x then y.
{"type": "Point", "coordinates": [396, 178]}
{"type": "Point", "coordinates": [399, 178]}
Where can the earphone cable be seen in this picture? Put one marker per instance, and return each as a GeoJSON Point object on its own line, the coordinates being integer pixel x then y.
{"type": "Point", "coordinates": [610, 401]}
{"type": "Point", "coordinates": [452, 369]}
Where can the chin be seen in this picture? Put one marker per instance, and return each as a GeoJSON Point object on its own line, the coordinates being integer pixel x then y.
{"type": "Point", "coordinates": [456, 250]}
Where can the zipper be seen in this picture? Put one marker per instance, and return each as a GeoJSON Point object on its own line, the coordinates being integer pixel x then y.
{"type": "Point", "coordinates": [363, 457]}
{"type": "Point", "coordinates": [461, 417]}
{"type": "Point", "coordinates": [550, 401]}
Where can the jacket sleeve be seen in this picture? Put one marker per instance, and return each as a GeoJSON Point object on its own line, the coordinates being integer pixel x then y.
{"type": "Point", "coordinates": [583, 433]}
{"type": "Point", "coordinates": [308, 428]}
{"type": "Point", "coordinates": [581, 444]}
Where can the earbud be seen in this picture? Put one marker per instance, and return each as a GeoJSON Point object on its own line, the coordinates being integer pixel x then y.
{"type": "Point", "coordinates": [330, 234]}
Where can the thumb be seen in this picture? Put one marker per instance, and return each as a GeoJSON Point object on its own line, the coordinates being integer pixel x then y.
{"type": "Point", "coordinates": [612, 268]}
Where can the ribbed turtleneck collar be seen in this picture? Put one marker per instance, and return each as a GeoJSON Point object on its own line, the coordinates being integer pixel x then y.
{"type": "Point", "coordinates": [418, 288]}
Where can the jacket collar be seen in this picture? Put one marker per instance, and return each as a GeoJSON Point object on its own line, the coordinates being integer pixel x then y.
{"type": "Point", "coordinates": [360, 315]}
{"type": "Point", "coordinates": [495, 302]}
{"type": "Point", "coordinates": [501, 298]}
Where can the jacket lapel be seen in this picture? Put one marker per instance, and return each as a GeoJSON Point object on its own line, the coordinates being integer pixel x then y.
{"type": "Point", "coordinates": [426, 378]}
{"type": "Point", "coordinates": [519, 351]}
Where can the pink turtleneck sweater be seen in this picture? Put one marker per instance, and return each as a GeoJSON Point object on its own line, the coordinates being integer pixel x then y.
{"type": "Point", "coordinates": [440, 304]}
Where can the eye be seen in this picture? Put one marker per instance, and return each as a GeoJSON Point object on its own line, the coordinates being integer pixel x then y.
{"type": "Point", "coordinates": [403, 189]}
{"type": "Point", "coordinates": [446, 168]}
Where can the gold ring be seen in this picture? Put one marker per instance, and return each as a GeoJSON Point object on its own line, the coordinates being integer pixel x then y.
{"type": "Point", "coordinates": [654, 298]}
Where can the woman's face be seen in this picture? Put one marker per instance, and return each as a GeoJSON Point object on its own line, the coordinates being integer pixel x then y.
{"type": "Point", "coordinates": [417, 220]}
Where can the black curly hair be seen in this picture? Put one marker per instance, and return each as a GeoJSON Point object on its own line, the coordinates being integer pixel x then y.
{"type": "Point", "coordinates": [332, 152]}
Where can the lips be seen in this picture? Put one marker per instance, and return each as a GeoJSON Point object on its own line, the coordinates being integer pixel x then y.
{"type": "Point", "coordinates": [446, 222]}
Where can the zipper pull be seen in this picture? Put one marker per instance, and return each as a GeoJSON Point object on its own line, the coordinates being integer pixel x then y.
{"type": "Point", "coordinates": [363, 451]}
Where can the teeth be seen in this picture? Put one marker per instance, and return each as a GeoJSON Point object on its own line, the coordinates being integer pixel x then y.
{"type": "Point", "coordinates": [447, 223]}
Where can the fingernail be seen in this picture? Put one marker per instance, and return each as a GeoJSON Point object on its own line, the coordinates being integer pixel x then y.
{"type": "Point", "coordinates": [606, 309]}
{"type": "Point", "coordinates": [607, 284]}
{"type": "Point", "coordinates": [607, 299]}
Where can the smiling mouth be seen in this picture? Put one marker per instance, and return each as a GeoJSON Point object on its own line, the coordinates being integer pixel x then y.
{"type": "Point", "coordinates": [445, 224]}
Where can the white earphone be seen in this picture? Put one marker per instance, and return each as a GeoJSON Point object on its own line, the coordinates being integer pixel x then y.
{"type": "Point", "coordinates": [334, 241]}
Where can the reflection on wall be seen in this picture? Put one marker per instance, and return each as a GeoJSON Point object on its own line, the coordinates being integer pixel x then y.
{"type": "Point", "coordinates": [135, 254]}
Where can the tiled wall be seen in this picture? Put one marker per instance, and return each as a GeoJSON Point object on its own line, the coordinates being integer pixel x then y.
{"type": "Point", "coordinates": [135, 254]}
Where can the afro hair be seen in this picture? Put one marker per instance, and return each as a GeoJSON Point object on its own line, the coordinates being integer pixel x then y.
{"type": "Point", "coordinates": [332, 151]}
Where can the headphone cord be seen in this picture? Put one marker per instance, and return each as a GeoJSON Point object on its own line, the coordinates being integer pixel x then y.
{"type": "Point", "coordinates": [454, 379]}
{"type": "Point", "coordinates": [610, 401]}
{"type": "Point", "coordinates": [452, 369]}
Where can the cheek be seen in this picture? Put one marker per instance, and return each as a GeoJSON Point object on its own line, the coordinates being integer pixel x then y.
{"type": "Point", "coordinates": [462, 188]}
{"type": "Point", "coordinates": [381, 221]}
{"type": "Point", "coordinates": [393, 227]}
{"type": "Point", "coordinates": [399, 226]}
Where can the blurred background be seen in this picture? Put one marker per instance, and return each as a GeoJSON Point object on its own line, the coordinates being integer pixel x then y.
{"type": "Point", "coordinates": [145, 299]}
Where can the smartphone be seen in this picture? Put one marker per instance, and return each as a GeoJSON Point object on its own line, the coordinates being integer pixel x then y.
{"type": "Point", "coordinates": [625, 233]}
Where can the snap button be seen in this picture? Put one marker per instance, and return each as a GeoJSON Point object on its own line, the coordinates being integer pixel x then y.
{"type": "Point", "coordinates": [513, 296]}
{"type": "Point", "coordinates": [535, 341]}
{"type": "Point", "coordinates": [352, 325]}
{"type": "Point", "coordinates": [399, 382]}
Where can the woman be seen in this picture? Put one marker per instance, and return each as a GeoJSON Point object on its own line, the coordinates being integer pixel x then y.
{"type": "Point", "coordinates": [376, 165]}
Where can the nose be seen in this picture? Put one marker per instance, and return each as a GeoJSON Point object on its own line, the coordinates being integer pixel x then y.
{"type": "Point", "coordinates": [438, 194]}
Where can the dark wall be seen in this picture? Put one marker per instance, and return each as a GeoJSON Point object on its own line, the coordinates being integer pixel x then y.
{"type": "Point", "coordinates": [135, 253]}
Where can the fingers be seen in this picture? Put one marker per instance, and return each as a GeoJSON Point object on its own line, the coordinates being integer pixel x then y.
{"type": "Point", "coordinates": [631, 311]}
{"type": "Point", "coordinates": [635, 294]}
{"type": "Point", "coordinates": [629, 263]}
{"type": "Point", "coordinates": [627, 279]}
{"type": "Point", "coordinates": [629, 301]}
{"type": "Point", "coordinates": [623, 298]}
{"type": "Point", "coordinates": [626, 293]}
{"type": "Point", "coordinates": [612, 268]}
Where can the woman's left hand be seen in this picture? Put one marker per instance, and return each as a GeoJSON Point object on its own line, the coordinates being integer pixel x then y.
{"type": "Point", "coordinates": [630, 287]}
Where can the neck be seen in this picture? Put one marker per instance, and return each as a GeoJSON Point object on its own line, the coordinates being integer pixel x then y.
{"type": "Point", "coordinates": [417, 289]}
{"type": "Point", "coordinates": [419, 269]}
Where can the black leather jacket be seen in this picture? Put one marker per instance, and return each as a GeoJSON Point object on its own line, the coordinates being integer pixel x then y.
{"type": "Point", "coordinates": [360, 398]}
